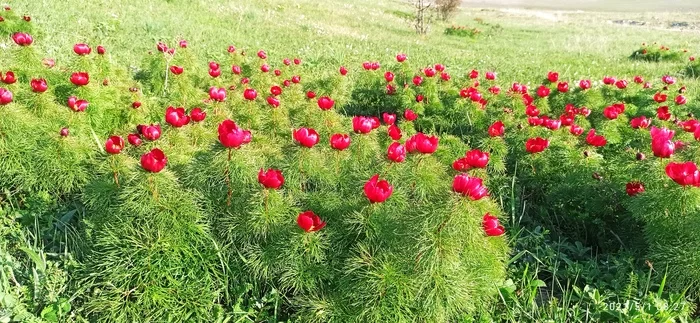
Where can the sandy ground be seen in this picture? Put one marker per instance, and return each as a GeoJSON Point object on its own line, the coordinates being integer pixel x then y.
{"type": "Point", "coordinates": [590, 5]}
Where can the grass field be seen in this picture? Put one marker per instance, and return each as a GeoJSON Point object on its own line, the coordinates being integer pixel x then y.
{"type": "Point", "coordinates": [558, 270]}
{"type": "Point", "coordinates": [332, 32]}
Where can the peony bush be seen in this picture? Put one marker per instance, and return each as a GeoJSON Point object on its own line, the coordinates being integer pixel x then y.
{"type": "Point", "coordinates": [196, 180]}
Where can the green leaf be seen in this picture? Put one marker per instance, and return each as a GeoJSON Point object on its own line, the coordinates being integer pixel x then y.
{"type": "Point", "coordinates": [39, 261]}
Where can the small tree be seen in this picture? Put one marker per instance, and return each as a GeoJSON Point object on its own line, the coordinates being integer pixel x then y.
{"type": "Point", "coordinates": [447, 8]}
{"type": "Point", "coordinates": [422, 18]}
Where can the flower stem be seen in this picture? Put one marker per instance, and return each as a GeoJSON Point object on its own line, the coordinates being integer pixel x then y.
{"type": "Point", "coordinates": [250, 113]}
{"type": "Point", "coordinates": [420, 160]}
{"type": "Point", "coordinates": [301, 169]}
{"type": "Point", "coordinates": [167, 71]}
{"type": "Point", "coordinates": [327, 120]}
{"type": "Point", "coordinates": [114, 170]}
{"type": "Point", "coordinates": [274, 123]}
{"type": "Point", "coordinates": [116, 178]}
{"type": "Point", "coordinates": [228, 179]}
{"type": "Point", "coordinates": [337, 163]}
{"type": "Point", "coordinates": [266, 197]}
{"type": "Point", "coordinates": [154, 187]}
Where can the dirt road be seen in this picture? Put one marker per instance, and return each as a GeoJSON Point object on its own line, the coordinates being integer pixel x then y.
{"type": "Point", "coordinates": [590, 5]}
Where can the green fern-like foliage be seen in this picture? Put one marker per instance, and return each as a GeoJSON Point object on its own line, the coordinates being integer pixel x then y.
{"type": "Point", "coordinates": [428, 239]}
{"type": "Point", "coordinates": [152, 257]}
{"type": "Point", "coordinates": [672, 217]}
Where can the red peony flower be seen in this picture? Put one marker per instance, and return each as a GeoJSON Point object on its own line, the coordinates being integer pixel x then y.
{"type": "Point", "coordinates": [250, 94]}
{"type": "Point", "coordinates": [378, 191]}
{"type": "Point", "coordinates": [536, 145]}
{"type": "Point", "coordinates": [5, 96]}
{"type": "Point", "coordinates": [563, 87]}
{"type": "Point", "coordinates": [273, 101]}
{"type": "Point", "coordinates": [634, 188]}
{"type": "Point", "coordinates": [477, 159]}
{"type": "Point", "coordinates": [217, 94]}
{"type": "Point", "coordinates": [114, 145]}
{"type": "Point", "coordinates": [22, 39]}
{"type": "Point", "coordinates": [325, 103]}
{"type": "Point", "coordinates": [176, 117]}
{"type": "Point", "coordinates": [662, 142]}
{"type": "Point", "coordinates": [310, 222]}
{"type": "Point", "coordinates": [496, 129]}
{"type": "Point", "coordinates": [576, 130]}
{"type": "Point", "coordinates": [640, 122]}
{"type": "Point", "coordinates": [389, 118]}
{"type": "Point", "coordinates": [177, 70]}
{"type": "Point", "coordinates": [584, 84]}
{"type": "Point", "coordinates": [272, 178]}
{"type": "Point", "coordinates": [39, 85]}
{"type": "Point", "coordinates": [681, 100]}
{"type": "Point", "coordinates": [425, 144]}
{"type": "Point", "coordinates": [409, 115]}
{"type": "Point", "coordinates": [306, 137]}
{"type": "Point", "coordinates": [340, 141]}
{"type": "Point", "coordinates": [396, 152]}
{"type": "Point", "coordinates": [492, 227]}
{"type": "Point", "coordinates": [151, 132]}
{"type": "Point", "coordinates": [662, 113]}
{"type": "Point", "coordinates": [80, 78]}
{"type": "Point", "coordinates": [472, 187]}
{"type": "Point", "coordinates": [394, 132]}
{"type": "Point", "coordinates": [231, 136]}
{"type": "Point", "coordinates": [82, 49]}
{"type": "Point", "coordinates": [154, 161]}
{"type": "Point", "coordinates": [685, 174]}
{"type": "Point", "coordinates": [134, 139]}
{"type": "Point", "coordinates": [9, 78]}
{"type": "Point", "coordinates": [361, 124]}
{"type": "Point", "coordinates": [595, 140]}
{"type": "Point", "coordinates": [660, 97]}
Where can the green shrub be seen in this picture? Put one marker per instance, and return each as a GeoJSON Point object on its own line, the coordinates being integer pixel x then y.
{"type": "Point", "coordinates": [169, 246]}
{"type": "Point", "coordinates": [658, 54]}
{"type": "Point", "coordinates": [151, 256]}
{"type": "Point", "coordinates": [462, 31]}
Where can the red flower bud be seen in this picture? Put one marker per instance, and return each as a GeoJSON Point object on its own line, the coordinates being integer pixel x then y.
{"type": "Point", "coordinates": [82, 49]}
